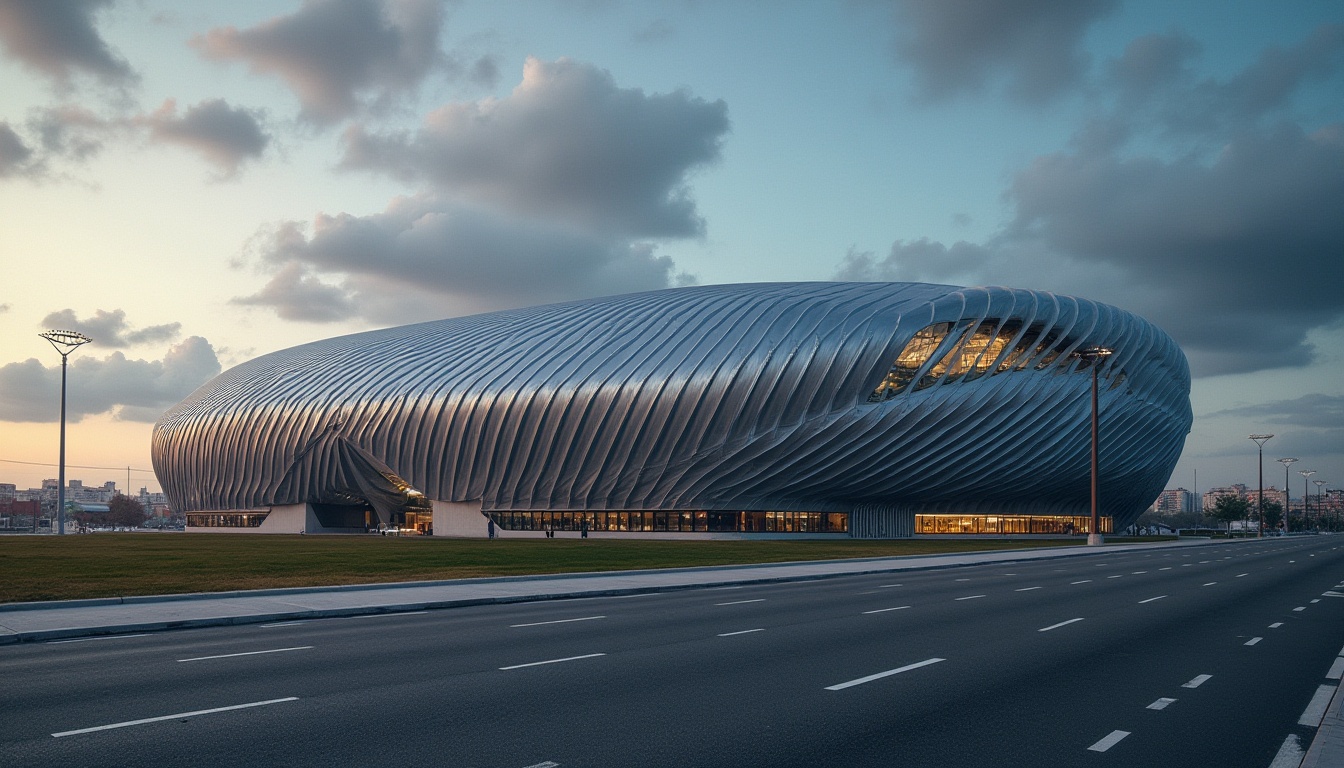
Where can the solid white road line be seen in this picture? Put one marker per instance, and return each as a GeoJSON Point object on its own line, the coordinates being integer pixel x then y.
{"type": "Point", "coordinates": [88, 639]}
{"type": "Point", "coordinates": [557, 621]}
{"type": "Point", "coordinates": [884, 610]}
{"type": "Point", "coordinates": [1290, 754]}
{"type": "Point", "coordinates": [1253, 640]}
{"type": "Point", "coordinates": [741, 632]}
{"type": "Point", "coordinates": [1197, 681]}
{"type": "Point", "coordinates": [1151, 599]}
{"type": "Point", "coordinates": [553, 661]}
{"type": "Point", "coordinates": [173, 717]}
{"type": "Point", "coordinates": [880, 675]}
{"type": "Point", "coordinates": [1084, 581]}
{"type": "Point", "coordinates": [249, 653]}
{"type": "Point", "coordinates": [742, 602]}
{"type": "Point", "coordinates": [1336, 669]}
{"type": "Point", "coordinates": [970, 597]}
{"type": "Point", "coordinates": [1311, 716]}
{"type": "Point", "coordinates": [1161, 703]}
{"type": "Point", "coordinates": [1057, 626]}
{"type": "Point", "coordinates": [1025, 589]}
{"type": "Point", "coordinates": [1109, 741]}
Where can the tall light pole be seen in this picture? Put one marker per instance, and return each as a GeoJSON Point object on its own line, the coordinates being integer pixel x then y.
{"type": "Point", "coordinates": [1320, 502]}
{"type": "Point", "coordinates": [1286, 497]}
{"type": "Point", "coordinates": [1260, 441]}
{"type": "Point", "coordinates": [1306, 493]}
{"type": "Point", "coordinates": [1094, 356]}
{"type": "Point", "coordinates": [63, 342]}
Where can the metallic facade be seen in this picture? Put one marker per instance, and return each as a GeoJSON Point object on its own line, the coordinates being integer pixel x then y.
{"type": "Point", "coordinates": [875, 399]}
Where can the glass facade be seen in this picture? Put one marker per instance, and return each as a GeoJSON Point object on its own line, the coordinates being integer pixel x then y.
{"type": "Point", "coordinates": [944, 353]}
{"type": "Point", "coordinates": [230, 520]}
{"type": "Point", "coordinates": [1057, 524]}
{"type": "Point", "coordinates": [676, 521]}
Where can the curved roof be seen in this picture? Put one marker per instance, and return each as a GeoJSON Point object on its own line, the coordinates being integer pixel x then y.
{"type": "Point", "coordinates": [815, 396]}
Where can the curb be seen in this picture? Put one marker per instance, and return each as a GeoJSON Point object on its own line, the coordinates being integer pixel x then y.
{"type": "Point", "coordinates": [1328, 731]}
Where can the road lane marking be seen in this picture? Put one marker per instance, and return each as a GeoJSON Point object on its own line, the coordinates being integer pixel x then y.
{"type": "Point", "coordinates": [1025, 589]}
{"type": "Point", "coordinates": [386, 614]}
{"type": "Point", "coordinates": [547, 764]}
{"type": "Point", "coordinates": [556, 621]}
{"type": "Point", "coordinates": [1311, 716]}
{"type": "Point", "coordinates": [1316, 600]}
{"type": "Point", "coordinates": [1290, 754]}
{"type": "Point", "coordinates": [142, 721]}
{"type": "Point", "coordinates": [1336, 669]}
{"type": "Point", "coordinates": [553, 661]}
{"type": "Point", "coordinates": [1084, 581]}
{"type": "Point", "coordinates": [1151, 599]}
{"type": "Point", "coordinates": [249, 653]}
{"type": "Point", "coordinates": [716, 589]}
{"type": "Point", "coordinates": [1253, 640]}
{"type": "Point", "coordinates": [741, 632]}
{"type": "Point", "coordinates": [1057, 626]}
{"type": "Point", "coordinates": [970, 597]}
{"type": "Point", "coordinates": [880, 675]}
{"type": "Point", "coordinates": [1197, 681]}
{"type": "Point", "coordinates": [1186, 565]}
{"type": "Point", "coordinates": [1116, 576]}
{"type": "Point", "coordinates": [888, 586]}
{"type": "Point", "coordinates": [1110, 740]}
{"type": "Point", "coordinates": [282, 624]}
{"type": "Point", "coordinates": [744, 602]}
{"type": "Point", "coordinates": [884, 610]}
{"type": "Point", "coordinates": [1136, 573]}
{"type": "Point", "coordinates": [1161, 703]}
{"type": "Point", "coordinates": [1168, 568]}
{"type": "Point", "coordinates": [1300, 608]}
{"type": "Point", "coordinates": [1211, 583]}
{"type": "Point", "coordinates": [88, 639]}
{"type": "Point", "coordinates": [1276, 625]}
{"type": "Point", "coordinates": [963, 579]}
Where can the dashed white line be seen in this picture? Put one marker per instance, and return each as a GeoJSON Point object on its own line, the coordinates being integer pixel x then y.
{"type": "Point", "coordinates": [1168, 568]}
{"type": "Point", "coordinates": [1151, 599]}
{"type": "Point", "coordinates": [884, 610]}
{"type": "Point", "coordinates": [970, 597]}
{"type": "Point", "coordinates": [556, 621]}
{"type": "Point", "coordinates": [546, 764]}
{"type": "Point", "coordinates": [88, 639]}
{"type": "Point", "coordinates": [1311, 716]}
{"type": "Point", "coordinates": [1025, 589]}
{"type": "Point", "coordinates": [1276, 625]}
{"type": "Point", "coordinates": [740, 632]}
{"type": "Point", "coordinates": [1136, 573]}
{"type": "Point", "coordinates": [1197, 681]}
{"type": "Point", "coordinates": [963, 579]}
{"type": "Point", "coordinates": [744, 602]}
{"type": "Point", "coordinates": [553, 661]}
{"type": "Point", "coordinates": [1315, 600]}
{"type": "Point", "coordinates": [1290, 754]}
{"type": "Point", "coordinates": [1253, 641]}
{"type": "Point", "coordinates": [1116, 576]}
{"type": "Point", "coordinates": [173, 717]}
{"type": "Point", "coordinates": [1300, 608]}
{"type": "Point", "coordinates": [249, 653]}
{"type": "Point", "coordinates": [1110, 740]}
{"type": "Point", "coordinates": [880, 675]}
{"type": "Point", "coordinates": [1161, 703]}
{"type": "Point", "coordinates": [1210, 584]}
{"type": "Point", "coordinates": [1239, 575]}
{"type": "Point", "coordinates": [1084, 581]}
{"type": "Point", "coordinates": [889, 586]}
{"type": "Point", "coordinates": [1060, 624]}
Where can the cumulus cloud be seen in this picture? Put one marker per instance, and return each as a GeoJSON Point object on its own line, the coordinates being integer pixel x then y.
{"type": "Point", "coordinates": [338, 55]}
{"type": "Point", "coordinates": [1033, 47]}
{"type": "Point", "coordinates": [110, 329]}
{"type": "Point", "coordinates": [131, 390]}
{"type": "Point", "coordinates": [225, 136]}
{"type": "Point", "coordinates": [567, 144]}
{"type": "Point", "coordinates": [470, 258]}
{"type": "Point", "coordinates": [1312, 411]}
{"type": "Point", "coordinates": [556, 192]}
{"type": "Point", "coordinates": [60, 39]}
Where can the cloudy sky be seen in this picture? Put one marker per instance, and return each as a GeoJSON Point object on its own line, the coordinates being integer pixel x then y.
{"type": "Point", "coordinates": [196, 184]}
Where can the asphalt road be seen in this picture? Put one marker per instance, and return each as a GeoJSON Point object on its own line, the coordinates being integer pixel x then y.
{"type": "Point", "coordinates": [1203, 656]}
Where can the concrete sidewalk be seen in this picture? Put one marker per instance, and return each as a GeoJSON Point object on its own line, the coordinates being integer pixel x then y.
{"type": "Point", "coordinates": [23, 622]}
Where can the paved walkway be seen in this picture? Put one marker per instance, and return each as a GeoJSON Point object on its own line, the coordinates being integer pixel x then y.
{"type": "Point", "coordinates": [22, 622]}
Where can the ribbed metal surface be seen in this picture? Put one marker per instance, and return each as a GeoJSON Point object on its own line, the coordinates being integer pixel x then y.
{"type": "Point", "coordinates": [757, 396]}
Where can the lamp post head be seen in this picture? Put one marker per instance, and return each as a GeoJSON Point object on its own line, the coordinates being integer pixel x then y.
{"type": "Point", "coordinates": [1286, 462]}
{"type": "Point", "coordinates": [1260, 440]}
{"type": "Point", "coordinates": [65, 342]}
{"type": "Point", "coordinates": [1092, 354]}
{"type": "Point", "coordinates": [1306, 472]}
{"type": "Point", "coordinates": [1318, 483]}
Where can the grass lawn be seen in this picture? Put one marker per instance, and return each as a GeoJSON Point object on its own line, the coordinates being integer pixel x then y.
{"type": "Point", "coordinates": [120, 564]}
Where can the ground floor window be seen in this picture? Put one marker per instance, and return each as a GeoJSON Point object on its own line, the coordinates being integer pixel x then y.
{"type": "Point", "coordinates": [1061, 524]}
{"type": "Point", "coordinates": [232, 520]}
{"type": "Point", "coordinates": [752, 521]}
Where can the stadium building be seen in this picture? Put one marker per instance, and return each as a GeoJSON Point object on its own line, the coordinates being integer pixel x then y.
{"type": "Point", "coordinates": [820, 409]}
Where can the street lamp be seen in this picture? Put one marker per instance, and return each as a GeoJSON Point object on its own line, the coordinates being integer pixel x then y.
{"type": "Point", "coordinates": [1093, 356]}
{"type": "Point", "coordinates": [1306, 493]}
{"type": "Point", "coordinates": [63, 342]}
{"type": "Point", "coordinates": [1320, 501]}
{"type": "Point", "coordinates": [1286, 498]}
{"type": "Point", "coordinates": [1260, 441]}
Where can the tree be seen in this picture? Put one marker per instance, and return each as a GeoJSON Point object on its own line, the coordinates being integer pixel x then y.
{"type": "Point", "coordinates": [1273, 515]}
{"type": "Point", "coordinates": [123, 510]}
{"type": "Point", "coordinates": [1228, 508]}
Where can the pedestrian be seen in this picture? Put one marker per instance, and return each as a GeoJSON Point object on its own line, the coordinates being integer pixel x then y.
{"type": "Point", "coordinates": [490, 527]}
{"type": "Point", "coordinates": [583, 529]}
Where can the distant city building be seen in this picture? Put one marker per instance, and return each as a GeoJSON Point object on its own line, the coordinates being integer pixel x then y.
{"type": "Point", "coordinates": [1175, 501]}
{"type": "Point", "coordinates": [853, 409]}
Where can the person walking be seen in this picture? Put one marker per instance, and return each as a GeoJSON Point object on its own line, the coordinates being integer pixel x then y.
{"type": "Point", "coordinates": [490, 527]}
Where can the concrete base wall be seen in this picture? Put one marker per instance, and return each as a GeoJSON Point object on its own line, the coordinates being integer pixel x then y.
{"type": "Point", "coordinates": [462, 519]}
{"type": "Point", "coordinates": [283, 518]}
